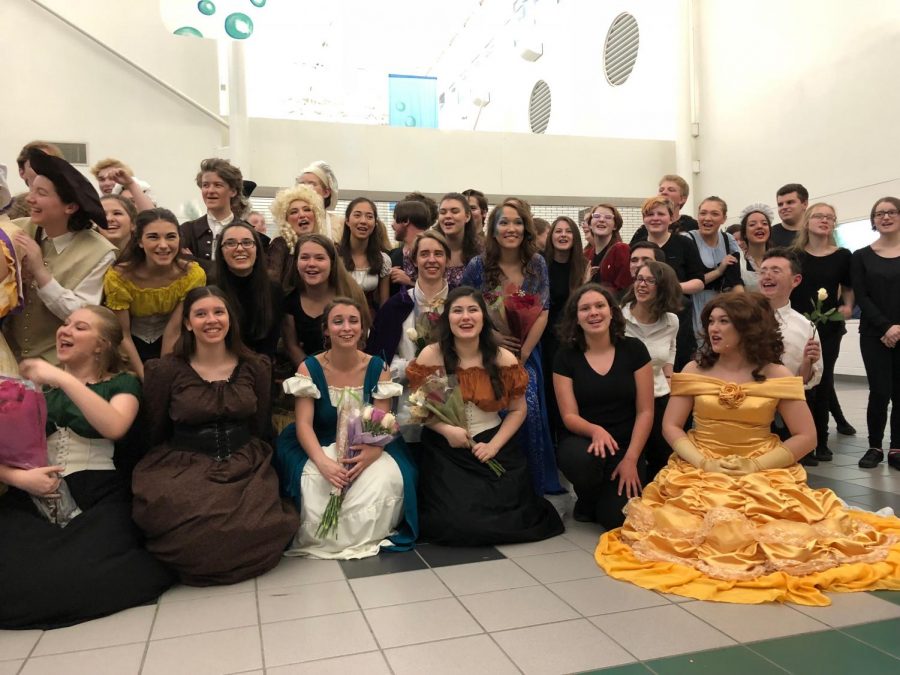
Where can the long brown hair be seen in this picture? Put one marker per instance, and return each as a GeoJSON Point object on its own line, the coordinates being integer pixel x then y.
{"type": "Point", "coordinates": [186, 345]}
{"type": "Point", "coordinates": [470, 245]}
{"type": "Point", "coordinates": [373, 243]}
{"type": "Point", "coordinates": [571, 334]}
{"type": "Point", "coordinates": [668, 291]}
{"type": "Point", "coordinates": [527, 248]}
{"type": "Point", "coordinates": [339, 279]}
{"type": "Point", "coordinates": [487, 343]}
{"type": "Point", "coordinates": [577, 263]}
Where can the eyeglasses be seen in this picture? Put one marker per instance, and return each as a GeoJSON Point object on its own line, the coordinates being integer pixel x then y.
{"type": "Point", "coordinates": [649, 281]}
{"type": "Point", "coordinates": [602, 216]}
{"type": "Point", "coordinates": [231, 244]}
{"type": "Point", "coordinates": [827, 218]}
{"type": "Point", "coordinates": [890, 213]}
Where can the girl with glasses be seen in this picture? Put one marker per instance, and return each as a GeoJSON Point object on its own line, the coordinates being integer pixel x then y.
{"type": "Point", "coordinates": [650, 315]}
{"type": "Point", "coordinates": [875, 271]}
{"type": "Point", "coordinates": [256, 298]}
{"type": "Point", "coordinates": [823, 265]}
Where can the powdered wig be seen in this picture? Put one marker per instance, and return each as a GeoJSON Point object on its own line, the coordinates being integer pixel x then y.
{"type": "Point", "coordinates": [321, 170]}
{"type": "Point", "coordinates": [282, 204]}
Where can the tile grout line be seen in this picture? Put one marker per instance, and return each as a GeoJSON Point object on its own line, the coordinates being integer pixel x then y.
{"type": "Point", "coordinates": [366, 619]}
{"type": "Point", "coordinates": [486, 632]}
{"type": "Point", "coordinates": [867, 644]}
{"type": "Point", "coordinates": [149, 635]}
{"type": "Point", "coordinates": [259, 626]}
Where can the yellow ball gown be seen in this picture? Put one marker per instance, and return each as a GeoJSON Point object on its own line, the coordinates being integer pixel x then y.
{"type": "Point", "coordinates": [762, 537]}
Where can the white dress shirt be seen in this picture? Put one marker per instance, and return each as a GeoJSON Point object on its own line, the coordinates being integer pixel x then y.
{"type": "Point", "coordinates": [216, 226]}
{"type": "Point", "coordinates": [63, 301]}
{"type": "Point", "coordinates": [796, 330]}
{"type": "Point", "coordinates": [659, 339]}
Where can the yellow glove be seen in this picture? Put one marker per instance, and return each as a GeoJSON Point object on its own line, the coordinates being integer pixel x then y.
{"type": "Point", "coordinates": [778, 458]}
{"type": "Point", "coordinates": [691, 454]}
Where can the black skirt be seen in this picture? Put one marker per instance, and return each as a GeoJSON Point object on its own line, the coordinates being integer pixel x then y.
{"type": "Point", "coordinates": [95, 566]}
{"type": "Point", "coordinates": [463, 503]}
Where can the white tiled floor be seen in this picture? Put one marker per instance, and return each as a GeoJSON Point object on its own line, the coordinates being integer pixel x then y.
{"type": "Point", "coordinates": [546, 608]}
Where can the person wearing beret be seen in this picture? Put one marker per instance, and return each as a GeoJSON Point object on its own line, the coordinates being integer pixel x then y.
{"type": "Point", "coordinates": [63, 258]}
{"type": "Point", "coordinates": [224, 192]}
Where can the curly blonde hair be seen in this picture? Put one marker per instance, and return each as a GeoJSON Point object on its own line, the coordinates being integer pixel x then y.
{"type": "Point", "coordinates": [282, 202]}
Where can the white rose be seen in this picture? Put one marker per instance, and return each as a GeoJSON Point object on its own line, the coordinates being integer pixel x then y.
{"type": "Point", "coordinates": [823, 295]}
{"type": "Point", "coordinates": [367, 414]}
{"type": "Point", "coordinates": [416, 399]}
{"type": "Point", "coordinates": [412, 334]}
{"type": "Point", "coordinates": [388, 421]}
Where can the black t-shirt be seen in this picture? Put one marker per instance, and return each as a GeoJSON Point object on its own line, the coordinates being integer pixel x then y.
{"type": "Point", "coordinates": [559, 289]}
{"type": "Point", "coordinates": [683, 257]}
{"type": "Point", "coordinates": [308, 328]}
{"type": "Point", "coordinates": [607, 400]}
{"type": "Point", "coordinates": [684, 224]}
{"type": "Point", "coordinates": [781, 236]}
{"type": "Point", "coordinates": [829, 272]}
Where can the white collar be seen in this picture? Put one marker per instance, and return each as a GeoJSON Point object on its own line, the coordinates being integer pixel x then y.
{"type": "Point", "coordinates": [227, 220]}
{"type": "Point", "coordinates": [61, 242]}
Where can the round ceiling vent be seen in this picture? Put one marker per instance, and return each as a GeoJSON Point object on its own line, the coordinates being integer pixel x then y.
{"type": "Point", "coordinates": [621, 49]}
{"type": "Point", "coordinates": [539, 107]}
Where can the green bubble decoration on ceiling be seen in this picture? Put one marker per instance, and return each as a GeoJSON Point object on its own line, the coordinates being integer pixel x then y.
{"type": "Point", "coordinates": [206, 7]}
{"type": "Point", "coordinates": [258, 3]}
{"type": "Point", "coordinates": [238, 26]}
{"type": "Point", "coordinates": [188, 31]}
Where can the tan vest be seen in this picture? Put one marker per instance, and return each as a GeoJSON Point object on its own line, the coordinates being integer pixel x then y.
{"type": "Point", "coordinates": [32, 333]}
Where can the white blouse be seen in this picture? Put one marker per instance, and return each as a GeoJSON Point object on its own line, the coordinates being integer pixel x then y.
{"type": "Point", "coordinates": [302, 386]}
{"type": "Point", "coordinates": [367, 279]}
{"type": "Point", "coordinates": [659, 338]}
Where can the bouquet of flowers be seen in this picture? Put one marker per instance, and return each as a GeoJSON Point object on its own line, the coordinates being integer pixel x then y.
{"type": "Point", "coordinates": [423, 332]}
{"type": "Point", "coordinates": [817, 317]}
{"type": "Point", "coordinates": [24, 408]}
{"type": "Point", "coordinates": [438, 397]}
{"type": "Point", "coordinates": [522, 310]}
{"type": "Point", "coordinates": [355, 426]}
{"type": "Point", "coordinates": [512, 310]}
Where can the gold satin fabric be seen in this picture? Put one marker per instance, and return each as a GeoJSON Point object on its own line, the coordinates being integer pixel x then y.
{"type": "Point", "coordinates": [762, 537]}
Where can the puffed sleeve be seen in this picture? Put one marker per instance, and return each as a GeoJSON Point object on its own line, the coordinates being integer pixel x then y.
{"type": "Point", "coordinates": [387, 389]}
{"type": "Point", "coordinates": [385, 265]}
{"type": "Point", "coordinates": [417, 374]}
{"type": "Point", "coordinates": [515, 380]}
{"type": "Point", "coordinates": [158, 378]}
{"type": "Point", "coordinates": [125, 383]}
{"type": "Point", "coordinates": [193, 278]}
{"type": "Point", "coordinates": [118, 295]}
{"type": "Point", "coordinates": [301, 386]}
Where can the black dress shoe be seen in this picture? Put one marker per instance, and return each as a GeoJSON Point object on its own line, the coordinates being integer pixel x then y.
{"type": "Point", "coordinates": [894, 459]}
{"type": "Point", "coordinates": [845, 428]}
{"type": "Point", "coordinates": [823, 454]}
{"type": "Point", "coordinates": [871, 459]}
{"type": "Point", "coordinates": [809, 460]}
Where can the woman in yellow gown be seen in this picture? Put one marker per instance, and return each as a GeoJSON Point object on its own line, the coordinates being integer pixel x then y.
{"type": "Point", "coordinates": [731, 518]}
{"type": "Point", "coordinates": [10, 291]}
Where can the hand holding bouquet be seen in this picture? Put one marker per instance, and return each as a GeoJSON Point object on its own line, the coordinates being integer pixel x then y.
{"type": "Point", "coordinates": [522, 310]}
{"type": "Point", "coordinates": [438, 398]}
{"type": "Point", "coordinates": [369, 426]}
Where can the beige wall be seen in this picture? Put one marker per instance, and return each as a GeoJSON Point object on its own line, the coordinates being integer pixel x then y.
{"type": "Point", "coordinates": [799, 92]}
{"type": "Point", "coordinates": [392, 159]}
{"type": "Point", "coordinates": [61, 86]}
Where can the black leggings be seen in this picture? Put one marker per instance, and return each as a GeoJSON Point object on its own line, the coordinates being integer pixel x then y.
{"type": "Point", "coordinates": [819, 397]}
{"type": "Point", "coordinates": [591, 477]}
{"type": "Point", "coordinates": [883, 371]}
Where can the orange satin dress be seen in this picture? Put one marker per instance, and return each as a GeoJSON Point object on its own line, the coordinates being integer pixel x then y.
{"type": "Point", "coordinates": [762, 537]}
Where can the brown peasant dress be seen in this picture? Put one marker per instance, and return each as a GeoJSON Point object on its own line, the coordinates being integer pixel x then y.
{"type": "Point", "coordinates": [212, 521]}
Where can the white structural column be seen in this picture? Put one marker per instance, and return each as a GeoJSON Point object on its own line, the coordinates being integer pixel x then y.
{"type": "Point", "coordinates": [687, 122]}
{"type": "Point", "coordinates": [238, 125]}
